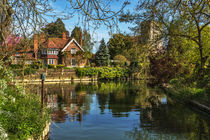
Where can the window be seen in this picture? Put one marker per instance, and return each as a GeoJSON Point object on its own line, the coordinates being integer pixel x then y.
{"type": "Point", "coordinates": [44, 52]}
{"type": "Point", "coordinates": [73, 50]}
{"type": "Point", "coordinates": [73, 62]}
{"type": "Point", "coordinates": [55, 52]}
{"type": "Point", "coordinates": [52, 52]}
{"type": "Point", "coordinates": [51, 61]}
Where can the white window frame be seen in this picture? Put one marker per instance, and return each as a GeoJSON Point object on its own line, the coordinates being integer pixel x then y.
{"type": "Point", "coordinates": [51, 61]}
{"type": "Point", "coordinates": [73, 50]}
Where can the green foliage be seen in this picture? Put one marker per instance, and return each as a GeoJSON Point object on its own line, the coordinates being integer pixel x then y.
{"type": "Point", "coordinates": [29, 71]}
{"type": "Point", "coordinates": [87, 71]}
{"type": "Point", "coordinates": [36, 64]}
{"type": "Point", "coordinates": [119, 44]}
{"type": "Point", "coordinates": [17, 69]}
{"type": "Point", "coordinates": [51, 66]}
{"type": "Point", "coordinates": [76, 34]}
{"type": "Point", "coordinates": [86, 38]}
{"type": "Point", "coordinates": [15, 66]}
{"type": "Point", "coordinates": [102, 57]}
{"type": "Point", "coordinates": [108, 73]}
{"type": "Point", "coordinates": [25, 118]}
{"type": "Point", "coordinates": [20, 113]}
{"type": "Point", "coordinates": [60, 66]}
{"type": "Point", "coordinates": [55, 29]}
{"type": "Point", "coordinates": [120, 60]}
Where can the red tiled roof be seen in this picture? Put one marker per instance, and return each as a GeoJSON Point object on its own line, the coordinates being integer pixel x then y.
{"type": "Point", "coordinates": [58, 43]}
{"type": "Point", "coordinates": [28, 56]}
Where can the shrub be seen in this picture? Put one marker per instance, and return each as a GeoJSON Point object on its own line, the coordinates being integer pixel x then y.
{"type": "Point", "coordinates": [67, 68]}
{"type": "Point", "coordinates": [60, 66]}
{"type": "Point", "coordinates": [108, 73]}
{"type": "Point", "coordinates": [29, 71]}
{"type": "Point", "coordinates": [24, 118]}
{"type": "Point", "coordinates": [15, 66]}
{"type": "Point", "coordinates": [36, 65]}
{"type": "Point", "coordinates": [20, 112]}
{"type": "Point", "coordinates": [51, 66]}
{"type": "Point", "coordinates": [120, 60]}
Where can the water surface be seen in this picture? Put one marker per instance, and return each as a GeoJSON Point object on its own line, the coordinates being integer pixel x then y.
{"type": "Point", "coordinates": [120, 111]}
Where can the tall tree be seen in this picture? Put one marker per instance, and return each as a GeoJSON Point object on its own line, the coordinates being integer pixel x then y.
{"type": "Point", "coordinates": [20, 18]}
{"type": "Point", "coordinates": [78, 34]}
{"type": "Point", "coordinates": [119, 44]}
{"type": "Point", "coordinates": [87, 41]}
{"type": "Point", "coordinates": [102, 56]}
{"type": "Point", "coordinates": [55, 29]}
{"type": "Point", "coordinates": [185, 16]}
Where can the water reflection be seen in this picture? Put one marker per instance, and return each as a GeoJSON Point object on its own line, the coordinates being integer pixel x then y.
{"type": "Point", "coordinates": [120, 111]}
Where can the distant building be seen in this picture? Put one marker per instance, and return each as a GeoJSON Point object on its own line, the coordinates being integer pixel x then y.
{"type": "Point", "coordinates": [151, 35]}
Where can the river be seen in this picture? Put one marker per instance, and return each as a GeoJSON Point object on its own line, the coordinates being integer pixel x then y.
{"type": "Point", "coordinates": [120, 111]}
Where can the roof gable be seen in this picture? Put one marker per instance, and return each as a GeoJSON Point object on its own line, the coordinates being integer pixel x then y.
{"type": "Point", "coordinates": [67, 45]}
{"type": "Point", "coordinates": [56, 43]}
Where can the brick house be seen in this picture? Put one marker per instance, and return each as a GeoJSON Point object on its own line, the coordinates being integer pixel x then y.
{"type": "Point", "coordinates": [53, 51]}
{"type": "Point", "coordinates": [59, 51]}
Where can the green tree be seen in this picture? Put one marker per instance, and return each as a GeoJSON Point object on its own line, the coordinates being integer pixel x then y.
{"type": "Point", "coordinates": [120, 60]}
{"type": "Point", "coordinates": [179, 19]}
{"type": "Point", "coordinates": [119, 44]}
{"type": "Point", "coordinates": [102, 55]}
{"type": "Point", "coordinates": [55, 29]}
{"type": "Point", "coordinates": [78, 34]}
{"type": "Point", "coordinates": [87, 43]}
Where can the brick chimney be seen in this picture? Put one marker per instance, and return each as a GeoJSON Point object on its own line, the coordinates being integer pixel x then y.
{"type": "Point", "coordinates": [81, 43]}
{"type": "Point", "coordinates": [36, 44]}
{"type": "Point", "coordinates": [64, 36]}
{"type": "Point", "coordinates": [42, 37]}
{"type": "Point", "coordinates": [67, 34]}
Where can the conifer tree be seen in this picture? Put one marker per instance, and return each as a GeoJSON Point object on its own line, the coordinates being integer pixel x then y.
{"type": "Point", "coordinates": [55, 29]}
{"type": "Point", "coordinates": [102, 55]}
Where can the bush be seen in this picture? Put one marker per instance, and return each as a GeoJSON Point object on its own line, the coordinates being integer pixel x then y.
{"type": "Point", "coordinates": [24, 118]}
{"type": "Point", "coordinates": [60, 66]}
{"type": "Point", "coordinates": [120, 60]}
{"type": "Point", "coordinates": [36, 65]}
{"type": "Point", "coordinates": [51, 66]}
{"type": "Point", "coordinates": [29, 71]}
{"type": "Point", "coordinates": [20, 112]}
{"type": "Point", "coordinates": [109, 73]}
{"type": "Point", "coordinates": [15, 66]}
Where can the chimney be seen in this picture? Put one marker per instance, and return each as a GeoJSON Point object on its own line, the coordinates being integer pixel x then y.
{"type": "Point", "coordinates": [67, 34]}
{"type": "Point", "coordinates": [42, 37]}
{"type": "Point", "coordinates": [81, 43]}
{"type": "Point", "coordinates": [35, 45]}
{"type": "Point", "coordinates": [64, 36]}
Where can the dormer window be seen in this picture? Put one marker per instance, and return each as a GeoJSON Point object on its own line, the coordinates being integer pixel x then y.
{"type": "Point", "coordinates": [73, 50]}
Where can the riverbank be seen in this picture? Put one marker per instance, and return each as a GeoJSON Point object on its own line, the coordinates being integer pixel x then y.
{"type": "Point", "coordinates": [84, 79]}
{"type": "Point", "coordinates": [171, 91]}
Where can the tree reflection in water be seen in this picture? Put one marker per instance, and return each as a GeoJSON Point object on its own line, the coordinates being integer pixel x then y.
{"type": "Point", "coordinates": [159, 117]}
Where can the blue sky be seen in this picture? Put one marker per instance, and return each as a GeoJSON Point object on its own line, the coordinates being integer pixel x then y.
{"type": "Point", "coordinates": [97, 35]}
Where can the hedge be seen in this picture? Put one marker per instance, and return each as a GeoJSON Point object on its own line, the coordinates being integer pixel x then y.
{"type": "Point", "coordinates": [109, 73]}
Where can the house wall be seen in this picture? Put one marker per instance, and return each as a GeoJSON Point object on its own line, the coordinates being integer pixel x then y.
{"type": "Point", "coordinates": [72, 45]}
{"type": "Point", "coordinates": [66, 60]}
